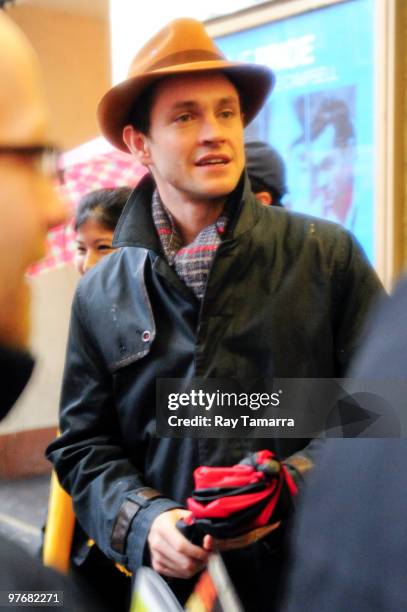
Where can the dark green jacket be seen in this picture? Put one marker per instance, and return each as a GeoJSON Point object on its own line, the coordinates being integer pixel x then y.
{"type": "Point", "coordinates": [286, 296]}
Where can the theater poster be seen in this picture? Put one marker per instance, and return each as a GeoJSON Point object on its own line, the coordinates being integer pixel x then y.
{"type": "Point", "coordinates": [321, 115]}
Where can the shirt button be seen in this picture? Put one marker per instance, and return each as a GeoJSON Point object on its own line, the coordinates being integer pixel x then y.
{"type": "Point", "coordinates": [145, 336]}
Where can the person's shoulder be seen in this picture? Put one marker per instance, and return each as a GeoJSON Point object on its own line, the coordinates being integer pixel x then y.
{"type": "Point", "coordinates": [115, 284]}
{"type": "Point", "coordinates": [105, 274]}
{"type": "Point", "coordinates": [319, 226]}
{"type": "Point", "coordinates": [300, 219]}
{"type": "Point", "coordinates": [301, 227]}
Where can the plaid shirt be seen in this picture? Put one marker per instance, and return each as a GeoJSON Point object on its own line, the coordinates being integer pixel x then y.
{"type": "Point", "coordinates": [193, 261]}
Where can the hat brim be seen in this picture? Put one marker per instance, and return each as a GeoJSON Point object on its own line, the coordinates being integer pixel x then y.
{"type": "Point", "coordinates": [254, 82]}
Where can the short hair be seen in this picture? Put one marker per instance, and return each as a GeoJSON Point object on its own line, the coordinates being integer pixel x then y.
{"type": "Point", "coordinates": [103, 205]}
{"type": "Point", "coordinates": [140, 114]}
{"type": "Point", "coordinates": [258, 187]}
{"type": "Point", "coordinates": [266, 169]}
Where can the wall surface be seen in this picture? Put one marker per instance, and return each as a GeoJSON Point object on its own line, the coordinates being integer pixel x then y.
{"type": "Point", "coordinates": [74, 51]}
{"type": "Point", "coordinates": [52, 294]}
{"type": "Point", "coordinates": [25, 433]}
{"type": "Point", "coordinates": [399, 155]}
{"type": "Point", "coordinates": [402, 79]}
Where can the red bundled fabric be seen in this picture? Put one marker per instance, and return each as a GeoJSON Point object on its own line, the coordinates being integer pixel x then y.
{"type": "Point", "coordinates": [229, 501]}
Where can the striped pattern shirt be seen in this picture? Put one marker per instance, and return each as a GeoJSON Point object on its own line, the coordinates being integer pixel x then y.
{"type": "Point", "coordinates": [191, 262]}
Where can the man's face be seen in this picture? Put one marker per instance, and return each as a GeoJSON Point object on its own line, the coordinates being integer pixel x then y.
{"type": "Point", "coordinates": [195, 147]}
{"type": "Point", "coordinates": [28, 208]}
{"type": "Point", "coordinates": [28, 202]}
{"type": "Point", "coordinates": [331, 176]}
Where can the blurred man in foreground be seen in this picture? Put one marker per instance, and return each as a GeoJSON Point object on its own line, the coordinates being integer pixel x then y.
{"type": "Point", "coordinates": [28, 208]}
{"type": "Point", "coordinates": [28, 202]}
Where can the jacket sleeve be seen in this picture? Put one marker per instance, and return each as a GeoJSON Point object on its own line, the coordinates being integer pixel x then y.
{"type": "Point", "coordinates": [111, 500]}
{"type": "Point", "coordinates": [355, 290]}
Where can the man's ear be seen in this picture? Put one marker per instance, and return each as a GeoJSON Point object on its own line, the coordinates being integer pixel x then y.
{"type": "Point", "coordinates": [137, 144]}
{"type": "Point", "coordinates": [264, 197]}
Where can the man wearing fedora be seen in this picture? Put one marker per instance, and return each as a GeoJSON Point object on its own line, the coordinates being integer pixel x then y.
{"type": "Point", "coordinates": [207, 283]}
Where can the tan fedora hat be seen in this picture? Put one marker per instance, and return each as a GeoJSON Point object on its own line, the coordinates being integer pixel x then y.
{"type": "Point", "coordinates": [181, 47]}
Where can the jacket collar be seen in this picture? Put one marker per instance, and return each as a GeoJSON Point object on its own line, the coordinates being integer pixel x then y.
{"type": "Point", "coordinates": [136, 226]}
{"type": "Point", "coordinates": [16, 367]}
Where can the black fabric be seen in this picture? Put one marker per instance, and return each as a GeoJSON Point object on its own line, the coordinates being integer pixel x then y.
{"type": "Point", "coordinates": [16, 367]}
{"type": "Point", "coordinates": [21, 572]}
{"type": "Point", "coordinates": [349, 546]}
{"type": "Point", "coordinates": [265, 166]}
{"type": "Point", "coordinates": [257, 572]}
{"type": "Point", "coordinates": [231, 526]}
{"type": "Point", "coordinates": [112, 586]}
{"type": "Point", "coordinates": [205, 496]}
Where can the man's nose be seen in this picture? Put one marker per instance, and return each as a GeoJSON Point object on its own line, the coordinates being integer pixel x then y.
{"type": "Point", "coordinates": [211, 129]}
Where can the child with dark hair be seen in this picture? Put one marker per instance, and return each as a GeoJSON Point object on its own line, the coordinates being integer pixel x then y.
{"type": "Point", "coordinates": [96, 219]}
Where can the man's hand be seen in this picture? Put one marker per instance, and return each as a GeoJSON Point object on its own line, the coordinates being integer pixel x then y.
{"type": "Point", "coordinates": [171, 553]}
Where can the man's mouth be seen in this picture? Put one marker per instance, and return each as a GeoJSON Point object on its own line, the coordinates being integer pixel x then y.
{"type": "Point", "coordinates": [211, 160]}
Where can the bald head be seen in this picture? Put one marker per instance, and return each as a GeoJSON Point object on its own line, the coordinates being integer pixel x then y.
{"type": "Point", "coordinates": [23, 113]}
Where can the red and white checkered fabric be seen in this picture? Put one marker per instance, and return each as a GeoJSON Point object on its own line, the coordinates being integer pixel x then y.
{"type": "Point", "coordinates": [100, 166]}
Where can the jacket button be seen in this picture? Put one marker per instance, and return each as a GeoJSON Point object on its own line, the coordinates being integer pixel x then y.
{"type": "Point", "coordinates": [145, 336]}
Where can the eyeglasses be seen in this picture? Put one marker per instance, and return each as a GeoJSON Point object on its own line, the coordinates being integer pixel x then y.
{"type": "Point", "coordinates": [45, 157]}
